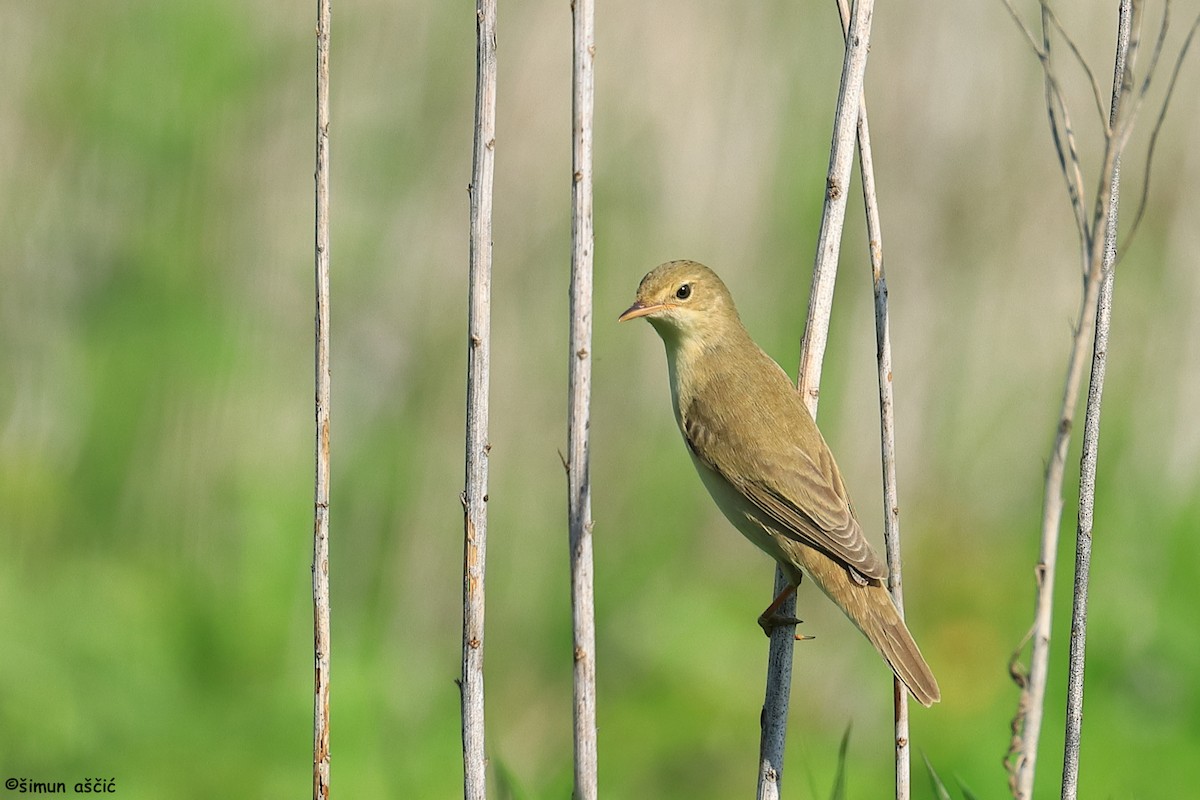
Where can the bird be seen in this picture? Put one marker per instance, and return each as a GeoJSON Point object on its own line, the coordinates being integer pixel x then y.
{"type": "Point", "coordinates": [766, 465]}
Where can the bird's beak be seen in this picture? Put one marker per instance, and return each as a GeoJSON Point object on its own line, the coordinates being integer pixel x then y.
{"type": "Point", "coordinates": [638, 310]}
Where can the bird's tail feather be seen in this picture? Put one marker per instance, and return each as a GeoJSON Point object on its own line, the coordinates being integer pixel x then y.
{"type": "Point", "coordinates": [870, 608]}
{"type": "Point", "coordinates": [883, 626]}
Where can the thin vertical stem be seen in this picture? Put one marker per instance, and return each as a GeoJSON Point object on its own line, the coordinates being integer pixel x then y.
{"type": "Point", "coordinates": [579, 391]}
{"type": "Point", "coordinates": [475, 493]}
{"type": "Point", "coordinates": [1027, 723]}
{"type": "Point", "coordinates": [1083, 544]}
{"type": "Point", "coordinates": [833, 215]}
{"type": "Point", "coordinates": [320, 564]}
{"type": "Point", "coordinates": [887, 431]}
{"type": "Point", "coordinates": [816, 330]}
{"type": "Point", "coordinates": [773, 721]}
{"type": "Point", "coordinates": [891, 503]}
{"type": "Point", "coordinates": [1091, 426]}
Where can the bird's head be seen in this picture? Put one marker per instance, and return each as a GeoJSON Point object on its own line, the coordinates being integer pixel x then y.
{"type": "Point", "coordinates": [685, 302]}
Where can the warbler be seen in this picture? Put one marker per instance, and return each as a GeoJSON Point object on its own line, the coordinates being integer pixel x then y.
{"type": "Point", "coordinates": [763, 460]}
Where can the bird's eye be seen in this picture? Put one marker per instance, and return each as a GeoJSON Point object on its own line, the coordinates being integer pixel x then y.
{"type": "Point", "coordinates": [684, 292]}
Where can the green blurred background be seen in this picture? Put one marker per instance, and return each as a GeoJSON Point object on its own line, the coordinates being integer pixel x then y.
{"type": "Point", "coordinates": [156, 423]}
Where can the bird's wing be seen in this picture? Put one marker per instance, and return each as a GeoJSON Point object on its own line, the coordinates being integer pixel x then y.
{"type": "Point", "coordinates": [801, 492]}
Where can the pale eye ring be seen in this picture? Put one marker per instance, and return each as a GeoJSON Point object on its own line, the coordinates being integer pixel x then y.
{"type": "Point", "coordinates": [684, 291]}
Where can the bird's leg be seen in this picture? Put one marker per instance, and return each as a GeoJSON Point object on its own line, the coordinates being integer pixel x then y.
{"type": "Point", "coordinates": [771, 618]}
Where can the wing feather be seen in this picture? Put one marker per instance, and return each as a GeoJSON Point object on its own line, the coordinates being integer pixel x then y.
{"type": "Point", "coordinates": [798, 488]}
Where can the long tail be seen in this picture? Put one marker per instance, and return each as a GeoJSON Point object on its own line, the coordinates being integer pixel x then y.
{"type": "Point", "coordinates": [883, 626]}
{"type": "Point", "coordinates": [871, 609]}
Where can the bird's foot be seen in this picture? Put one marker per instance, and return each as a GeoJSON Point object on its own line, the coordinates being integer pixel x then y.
{"type": "Point", "coordinates": [769, 622]}
{"type": "Point", "coordinates": [770, 619]}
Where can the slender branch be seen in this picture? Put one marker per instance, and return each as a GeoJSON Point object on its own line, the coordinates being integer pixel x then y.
{"type": "Point", "coordinates": [1056, 105]}
{"type": "Point", "coordinates": [580, 384]}
{"type": "Point", "coordinates": [833, 215]}
{"type": "Point", "coordinates": [1158, 123]}
{"type": "Point", "coordinates": [887, 433]}
{"type": "Point", "coordinates": [475, 493]}
{"type": "Point", "coordinates": [1083, 544]}
{"type": "Point", "coordinates": [1120, 126]}
{"type": "Point", "coordinates": [891, 501]}
{"type": "Point", "coordinates": [1097, 94]}
{"type": "Point", "coordinates": [1025, 29]}
{"type": "Point", "coordinates": [773, 721]}
{"type": "Point", "coordinates": [816, 331]}
{"type": "Point", "coordinates": [1160, 43]}
{"type": "Point", "coordinates": [1063, 132]}
{"type": "Point", "coordinates": [1091, 428]}
{"type": "Point", "coordinates": [1027, 723]}
{"type": "Point", "coordinates": [320, 564]}
{"type": "Point", "coordinates": [1022, 757]}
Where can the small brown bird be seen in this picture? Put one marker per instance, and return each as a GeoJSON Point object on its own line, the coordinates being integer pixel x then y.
{"type": "Point", "coordinates": [764, 462]}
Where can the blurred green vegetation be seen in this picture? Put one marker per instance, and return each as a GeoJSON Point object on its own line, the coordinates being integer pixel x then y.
{"type": "Point", "coordinates": [156, 420]}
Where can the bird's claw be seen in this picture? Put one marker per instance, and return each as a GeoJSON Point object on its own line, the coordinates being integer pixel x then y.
{"type": "Point", "coordinates": [769, 623]}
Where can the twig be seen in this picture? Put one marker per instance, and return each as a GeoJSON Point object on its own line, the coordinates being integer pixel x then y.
{"type": "Point", "coordinates": [773, 720]}
{"type": "Point", "coordinates": [320, 564]}
{"type": "Point", "coordinates": [816, 331]}
{"type": "Point", "coordinates": [1158, 123]}
{"type": "Point", "coordinates": [475, 493]}
{"type": "Point", "coordinates": [1062, 134]}
{"type": "Point", "coordinates": [883, 352]}
{"type": "Point", "coordinates": [833, 215]}
{"type": "Point", "coordinates": [1159, 44]}
{"type": "Point", "coordinates": [1097, 95]}
{"type": "Point", "coordinates": [1022, 756]}
{"type": "Point", "coordinates": [579, 493]}
{"type": "Point", "coordinates": [1028, 727]}
{"type": "Point", "coordinates": [1091, 427]}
